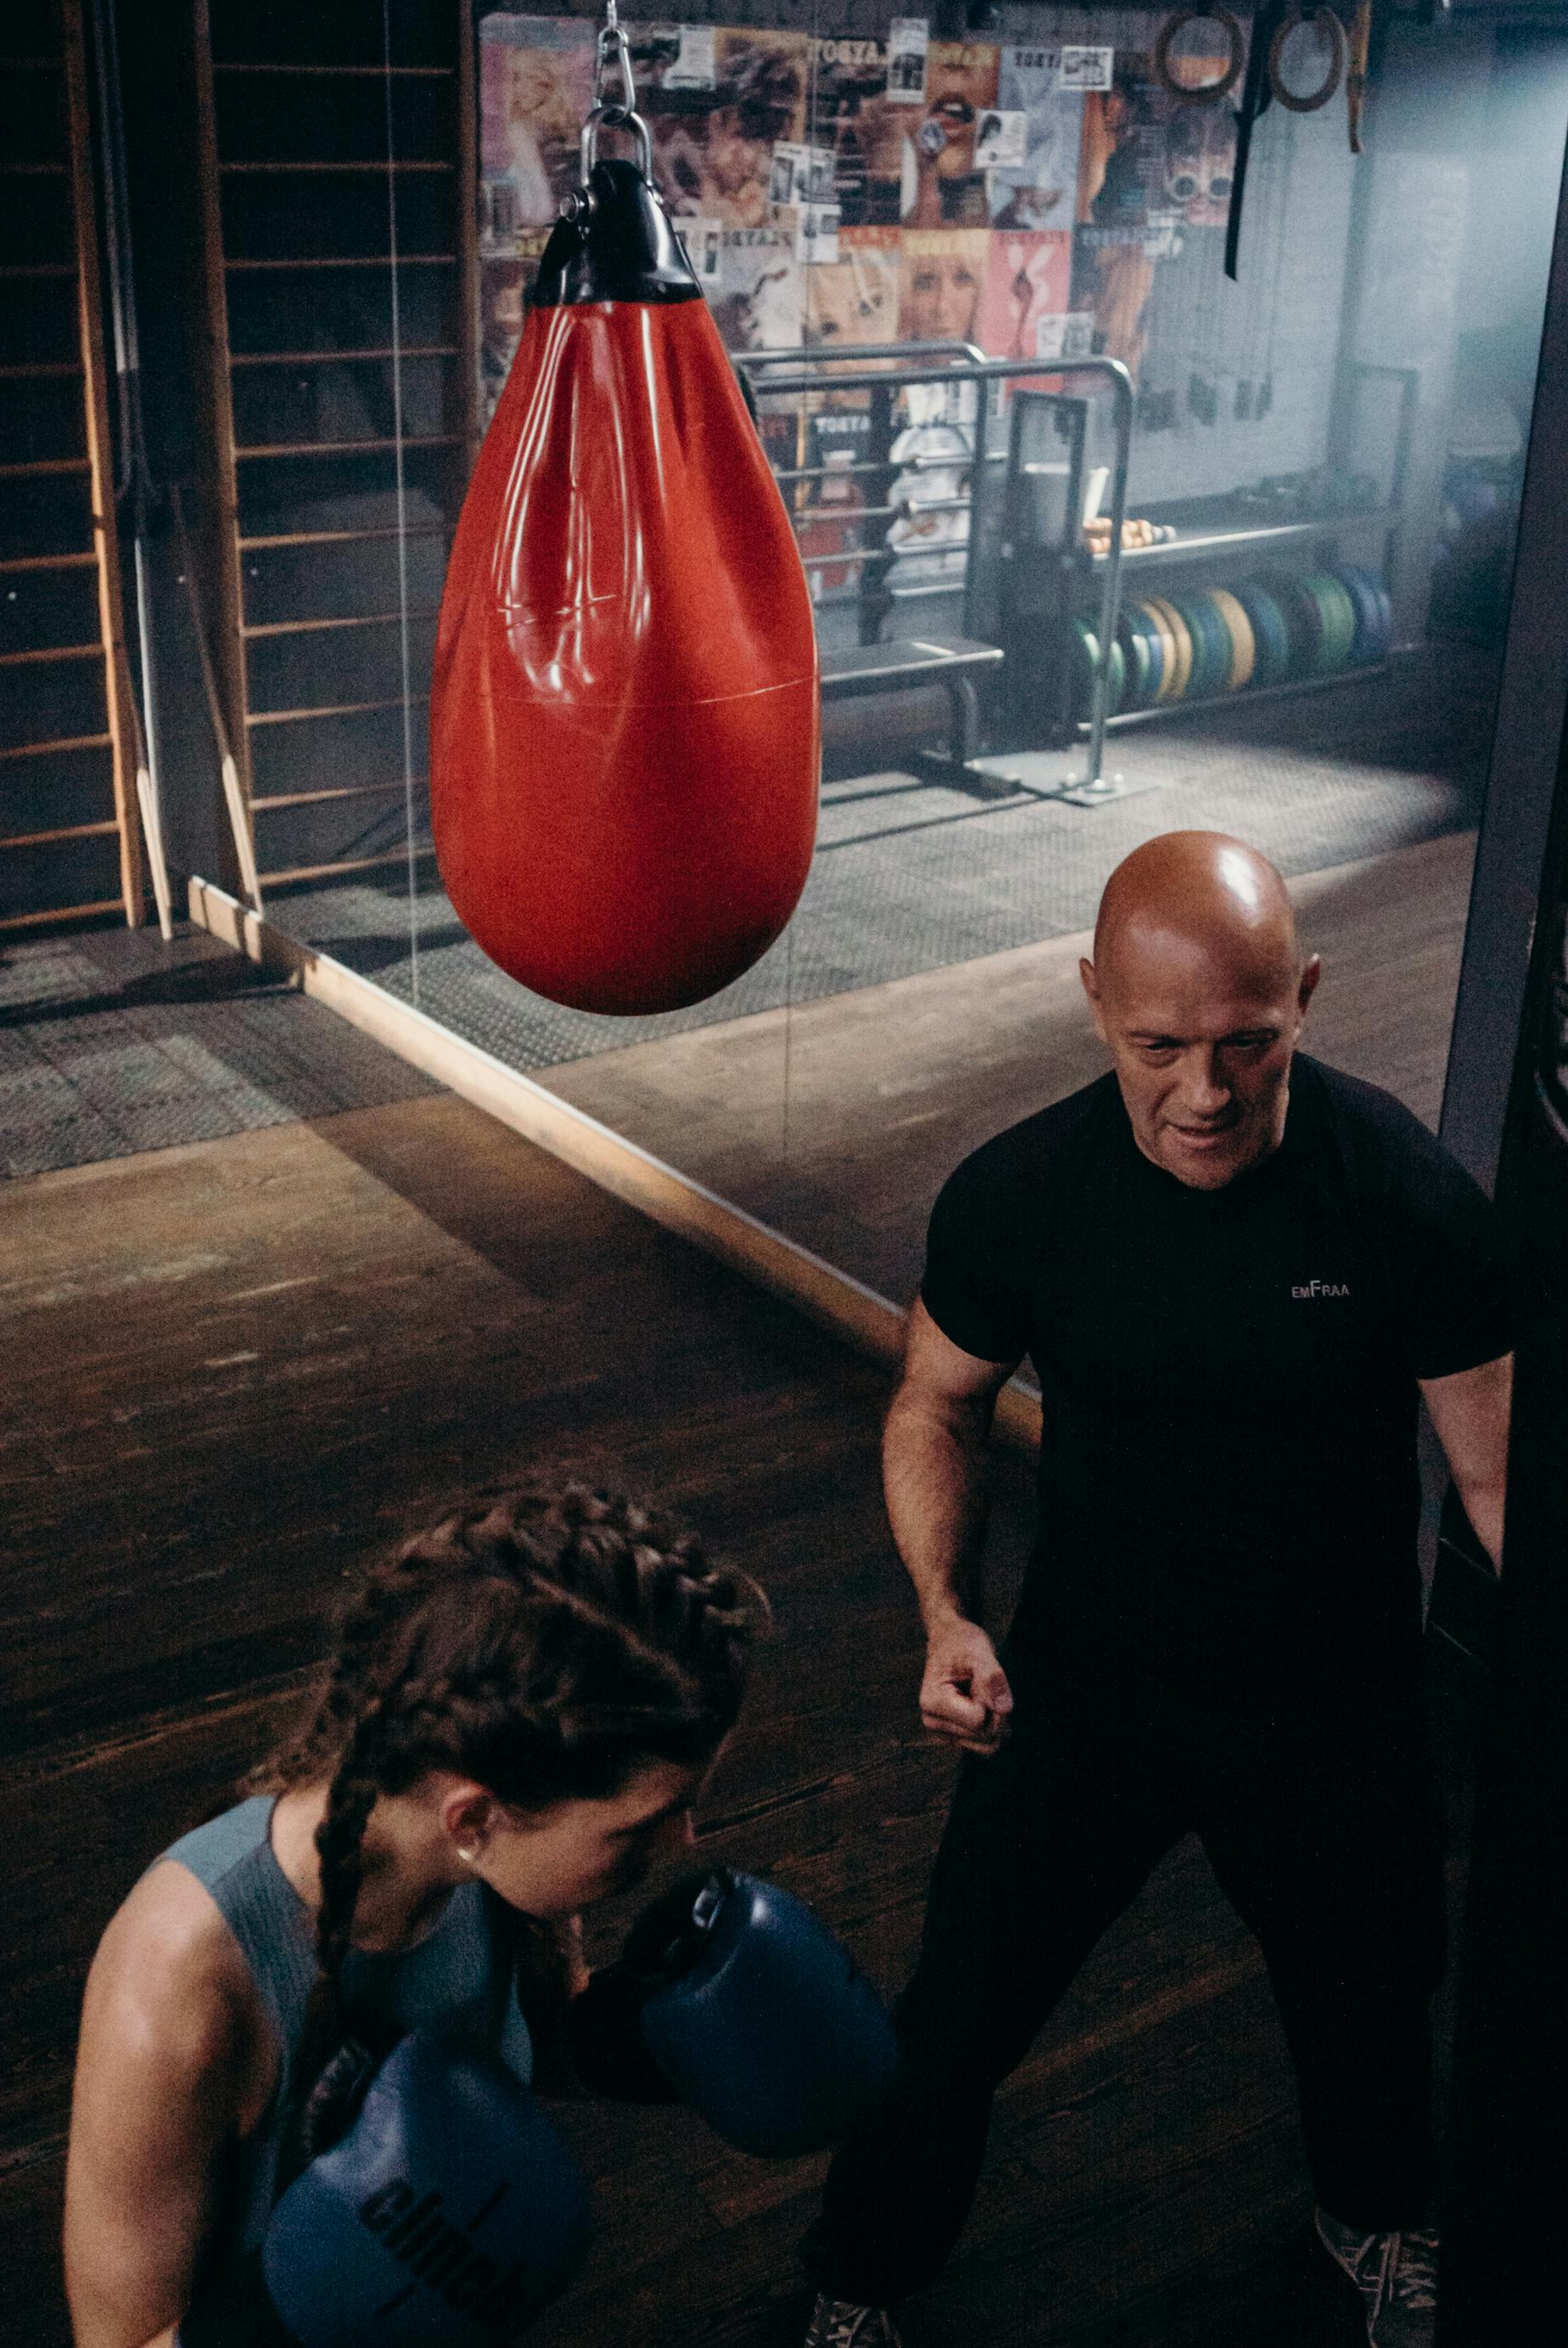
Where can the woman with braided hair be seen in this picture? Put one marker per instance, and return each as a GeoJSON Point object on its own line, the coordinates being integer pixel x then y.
{"type": "Point", "coordinates": [522, 1708]}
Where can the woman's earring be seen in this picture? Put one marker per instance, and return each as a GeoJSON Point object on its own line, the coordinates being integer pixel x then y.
{"type": "Point", "coordinates": [468, 1853]}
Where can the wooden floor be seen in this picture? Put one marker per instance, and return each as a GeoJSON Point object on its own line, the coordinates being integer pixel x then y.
{"type": "Point", "coordinates": [837, 1122]}
{"type": "Point", "coordinates": [232, 1367]}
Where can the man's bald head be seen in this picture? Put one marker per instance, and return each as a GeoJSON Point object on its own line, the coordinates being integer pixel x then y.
{"type": "Point", "coordinates": [1203, 890]}
{"type": "Point", "coordinates": [1198, 988]}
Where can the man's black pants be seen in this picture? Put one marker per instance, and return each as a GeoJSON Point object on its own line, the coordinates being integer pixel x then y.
{"type": "Point", "coordinates": [1321, 1828]}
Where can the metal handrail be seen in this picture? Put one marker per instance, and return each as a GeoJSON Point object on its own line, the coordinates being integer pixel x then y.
{"type": "Point", "coordinates": [831, 355]}
{"type": "Point", "coordinates": [984, 370]}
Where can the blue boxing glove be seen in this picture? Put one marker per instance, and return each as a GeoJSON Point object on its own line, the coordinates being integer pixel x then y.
{"type": "Point", "coordinates": [735, 1994]}
{"type": "Point", "coordinates": [449, 2214]}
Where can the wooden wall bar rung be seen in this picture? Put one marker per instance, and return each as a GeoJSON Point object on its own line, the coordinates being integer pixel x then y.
{"type": "Point", "coordinates": [331, 871]}
{"type": "Point", "coordinates": [61, 831]}
{"type": "Point", "coordinates": [371, 73]}
{"type": "Point", "coordinates": [318, 798]}
{"type": "Point", "coordinates": [345, 447]}
{"type": "Point", "coordinates": [18, 269]}
{"type": "Point", "coordinates": [339, 168]}
{"type": "Point", "coordinates": [89, 913]}
{"type": "Point", "coordinates": [37, 468]}
{"type": "Point", "coordinates": [340, 358]}
{"type": "Point", "coordinates": [322, 627]}
{"type": "Point", "coordinates": [336, 709]}
{"type": "Point", "coordinates": [59, 748]}
{"type": "Point", "coordinates": [38, 653]}
{"type": "Point", "coordinates": [342, 261]}
{"type": "Point", "coordinates": [343, 537]}
{"type": "Point", "coordinates": [86, 560]}
{"type": "Point", "coordinates": [40, 370]}
{"type": "Point", "coordinates": [338, 292]}
{"type": "Point", "coordinates": [32, 170]}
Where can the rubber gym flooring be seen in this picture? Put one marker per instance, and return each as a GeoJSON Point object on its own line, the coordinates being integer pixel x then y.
{"type": "Point", "coordinates": [911, 878]}
{"type": "Point", "coordinates": [111, 1042]}
{"type": "Point", "coordinates": [236, 1365]}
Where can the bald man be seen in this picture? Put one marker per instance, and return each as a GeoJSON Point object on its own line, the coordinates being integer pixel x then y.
{"type": "Point", "coordinates": [1235, 1270]}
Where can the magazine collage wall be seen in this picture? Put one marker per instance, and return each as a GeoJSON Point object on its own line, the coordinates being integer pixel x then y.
{"type": "Point", "coordinates": [1040, 202]}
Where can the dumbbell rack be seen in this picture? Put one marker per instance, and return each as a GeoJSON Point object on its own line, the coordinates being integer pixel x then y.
{"type": "Point", "coordinates": [1205, 550]}
{"type": "Point", "coordinates": [69, 842]}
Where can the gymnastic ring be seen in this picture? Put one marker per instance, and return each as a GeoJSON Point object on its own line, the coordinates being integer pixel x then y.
{"type": "Point", "coordinates": [1206, 91]}
{"type": "Point", "coordinates": [1332, 78]}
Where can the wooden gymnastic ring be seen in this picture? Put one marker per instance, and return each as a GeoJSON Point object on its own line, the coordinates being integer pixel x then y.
{"type": "Point", "coordinates": [1331, 80]}
{"type": "Point", "coordinates": [1206, 91]}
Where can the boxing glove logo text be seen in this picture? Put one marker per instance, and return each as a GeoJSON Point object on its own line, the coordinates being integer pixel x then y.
{"type": "Point", "coordinates": [441, 2255]}
{"type": "Point", "coordinates": [1323, 1288]}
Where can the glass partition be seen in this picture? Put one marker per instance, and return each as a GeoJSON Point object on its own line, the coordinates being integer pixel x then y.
{"type": "Point", "coordinates": [1101, 541]}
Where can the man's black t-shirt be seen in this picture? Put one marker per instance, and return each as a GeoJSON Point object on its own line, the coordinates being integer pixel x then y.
{"type": "Point", "coordinates": [1228, 1484]}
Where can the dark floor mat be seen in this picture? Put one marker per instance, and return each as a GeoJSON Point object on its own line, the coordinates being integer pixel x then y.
{"type": "Point", "coordinates": [112, 1043]}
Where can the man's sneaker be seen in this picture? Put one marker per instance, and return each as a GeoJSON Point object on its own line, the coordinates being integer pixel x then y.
{"type": "Point", "coordinates": [1396, 2275]}
{"type": "Point", "coordinates": [839, 2323]}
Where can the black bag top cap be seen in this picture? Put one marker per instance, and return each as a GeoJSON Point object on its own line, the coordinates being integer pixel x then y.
{"type": "Point", "coordinates": [614, 243]}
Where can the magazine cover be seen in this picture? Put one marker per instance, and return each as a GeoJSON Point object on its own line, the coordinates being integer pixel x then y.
{"type": "Point", "coordinates": [713, 148]}
{"type": "Point", "coordinates": [1040, 190]}
{"type": "Point", "coordinates": [855, 299]}
{"type": "Point", "coordinates": [848, 102]}
{"type": "Point", "coordinates": [941, 183]}
{"type": "Point", "coordinates": [536, 84]}
{"type": "Point", "coordinates": [757, 301]}
{"type": "Point", "coordinates": [1154, 189]}
{"type": "Point", "coordinates": [1029, 279]}
{"type": "Point", "coordinates": [943, 274]}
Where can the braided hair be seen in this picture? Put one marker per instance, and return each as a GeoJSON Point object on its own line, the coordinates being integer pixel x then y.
{"type": "Point", "coordinates": [546, 1641]}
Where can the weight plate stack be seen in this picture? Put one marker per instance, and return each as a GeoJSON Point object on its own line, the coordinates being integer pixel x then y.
{"type": "Point", "coordinates": [1303, 620]}
{"type": "Point", "coordinates": [1336, 613]}
{"type": "Point", "coordinates": [1164, 645]}
{"type": "Point", "coordinates": [1244, 644]}
{"type": "Point", "coordinates": [1182, 641]}
{"type": "Point", "coordinates": [1374, 612]}
{"type": "Point", "coordinates": [1210, 658]}
{"type": "Point", "coordinates": [1137, 657]}
{"type": "Point", "coordinates": [1271, 633]}
{"type": "Point", "coordinates": [1086, 661]}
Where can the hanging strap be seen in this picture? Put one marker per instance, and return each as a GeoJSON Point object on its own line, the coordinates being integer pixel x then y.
{"type": "Point", "coordinates": [1256, 96]}
{"type": "Point", "coordinates": [1356, 77]}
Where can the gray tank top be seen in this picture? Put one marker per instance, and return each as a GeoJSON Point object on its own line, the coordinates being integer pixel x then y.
{"type": "Point", "coordinates": [457, 1981]}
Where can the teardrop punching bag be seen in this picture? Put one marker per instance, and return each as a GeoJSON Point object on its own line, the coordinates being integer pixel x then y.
{"type": "Point", "coordinates": [624, 724]}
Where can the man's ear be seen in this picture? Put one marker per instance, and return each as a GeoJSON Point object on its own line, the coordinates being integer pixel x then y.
{"type": "Point", "coordinates": [1091, 989]}
{"type": "Point", "coordinates": [1310, 975]}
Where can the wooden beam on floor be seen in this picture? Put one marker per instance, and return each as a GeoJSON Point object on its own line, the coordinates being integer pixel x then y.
{"type": "Point", "coordinates": [831, 1298]}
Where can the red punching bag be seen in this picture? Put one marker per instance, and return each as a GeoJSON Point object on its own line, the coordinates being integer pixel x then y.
{"type": "Point", "coordinates": [624, 724]}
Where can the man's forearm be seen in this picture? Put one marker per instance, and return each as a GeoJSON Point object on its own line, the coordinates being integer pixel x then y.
{"type": "Point", "coordinates": [934, 1475]}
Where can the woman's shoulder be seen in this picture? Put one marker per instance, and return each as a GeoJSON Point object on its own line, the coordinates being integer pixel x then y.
{"type": "Point", "coordinates": [168, 1961]}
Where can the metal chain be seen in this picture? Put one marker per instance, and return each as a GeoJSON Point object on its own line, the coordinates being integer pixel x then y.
{"type": "Point", "coordinates": [611, 52]}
